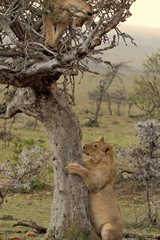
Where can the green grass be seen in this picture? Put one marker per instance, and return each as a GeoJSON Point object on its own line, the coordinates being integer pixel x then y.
{"type": "Point", "coordinates": [36, 207]}
{"type": "Point", "coordinates": [24, 207]}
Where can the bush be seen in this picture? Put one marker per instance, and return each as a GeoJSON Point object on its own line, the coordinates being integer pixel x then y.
{"type": "Point", "coordinates": [24, 171]}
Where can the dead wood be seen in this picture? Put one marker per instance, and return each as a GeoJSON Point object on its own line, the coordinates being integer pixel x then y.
{"type": "Point", "coordinates": [39, 229]}
{"type": "Point", "coordinates": [140, 236]}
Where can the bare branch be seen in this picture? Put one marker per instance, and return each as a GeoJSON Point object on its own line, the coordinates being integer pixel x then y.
{"type": "Point", "coordinates": [23, 54]}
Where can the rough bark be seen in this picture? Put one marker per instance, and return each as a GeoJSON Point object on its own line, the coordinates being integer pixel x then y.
{"type": "Point", "coordinates": [70, 218]}
{"type": "Point", "coordinates": [65, 136]}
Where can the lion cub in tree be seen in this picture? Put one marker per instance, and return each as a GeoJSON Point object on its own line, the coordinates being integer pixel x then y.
{"type": "Point", "coordinates": [98, 175]}
{"type": "Point", "coordinates": [59, 14]}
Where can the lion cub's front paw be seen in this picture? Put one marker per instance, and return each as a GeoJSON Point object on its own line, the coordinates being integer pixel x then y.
{"type": "Point", "coordinates": [72, 167]}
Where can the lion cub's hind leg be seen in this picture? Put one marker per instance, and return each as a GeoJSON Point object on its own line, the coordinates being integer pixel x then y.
{"type": "Point", "coordinates": [60, 29]}
{"type": "Point", "coordinates": [48, 31]}
{"type": "Point", "coordinates": [109, 233]}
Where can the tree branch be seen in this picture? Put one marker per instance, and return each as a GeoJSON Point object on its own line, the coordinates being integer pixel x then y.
{"type": "Point", "coordinates": [22, 42]}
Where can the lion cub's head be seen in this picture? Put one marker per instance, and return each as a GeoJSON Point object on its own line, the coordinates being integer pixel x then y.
{"type": "Point", "coordinates": [99, 150]}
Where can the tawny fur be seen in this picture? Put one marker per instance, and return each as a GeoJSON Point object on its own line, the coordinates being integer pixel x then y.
{"type": "Point", "coordinates": [59, 14]}
{"type": "Point", "coordinates": [98, 176]}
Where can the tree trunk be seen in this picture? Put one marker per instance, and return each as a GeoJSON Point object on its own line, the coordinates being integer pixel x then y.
{"type": "Point", "coordinates": [109, 105]}
{"type": "Point", "coordinates": [69, 213]}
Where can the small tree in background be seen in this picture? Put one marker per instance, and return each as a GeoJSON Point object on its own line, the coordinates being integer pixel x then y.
{"type": "Point", "coordinates": [101, 94]}
{"type": "Point", "coordinates": [146, 94]}
{"type": "Point", "coordinates": [145, 160]}
{"type": "Point", "coordinates": [118, 96]}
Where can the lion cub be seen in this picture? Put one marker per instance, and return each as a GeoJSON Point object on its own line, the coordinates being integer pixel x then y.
{"type": "Point", "coordinates": [59, 15]}
{"type": "Point", "coordinates": [98, 176]}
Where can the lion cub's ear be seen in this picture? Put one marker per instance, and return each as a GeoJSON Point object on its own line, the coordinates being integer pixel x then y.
{"type": "Point", "coordinates": [100, 139]}
{"type": "Point", "coordinates": [106, 148]}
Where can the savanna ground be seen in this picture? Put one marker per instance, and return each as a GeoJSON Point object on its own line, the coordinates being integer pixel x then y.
{"type": "Point", "coordinates": [35, 205]}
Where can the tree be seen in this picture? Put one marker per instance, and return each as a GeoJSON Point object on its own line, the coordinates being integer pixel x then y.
{"type": "Point", "coordinates": [146, 94]}
{"type": "Point", "coordinates": [144, 160]}
{"type": "Point", "coordinates": [119, 97]}
{"type": "Point", "coordinates": [101, 93]}
{"type": "Point", "coordinates": [31, 71]}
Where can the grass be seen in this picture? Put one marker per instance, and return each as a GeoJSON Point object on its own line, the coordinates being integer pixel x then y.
{"type": "Point", "coordinates": [35, 206]}
{"type": "Point", "coordinates": [24, 207]}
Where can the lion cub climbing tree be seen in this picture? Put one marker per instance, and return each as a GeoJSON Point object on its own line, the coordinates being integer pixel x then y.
{"type": "Point", "coordinates": [98, 176]}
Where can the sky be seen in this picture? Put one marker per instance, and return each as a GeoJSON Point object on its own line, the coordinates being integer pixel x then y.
{"type": "Point", "coordinates": [145, 13]}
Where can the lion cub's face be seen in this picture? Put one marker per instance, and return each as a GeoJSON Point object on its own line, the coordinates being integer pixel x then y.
{"type": "Point", "coordinates": [98, 150]}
